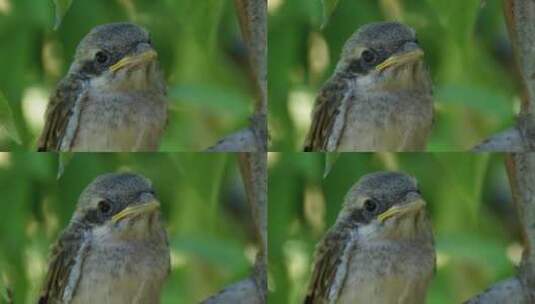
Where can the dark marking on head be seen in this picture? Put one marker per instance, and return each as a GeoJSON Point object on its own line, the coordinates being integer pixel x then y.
{"type": "Point", "coordinates": [113, 42]}
{"type": "Point", "coordinates": [379, 191]}
{"type": "Point", "coordinates": [357, 67]}
{"type": "Point", "coordinates": [114, 37]}
{"type": "Point", "coordinates": [363, 216]}
{"type": "Point", "coordinates": [92, 216]}
{"type": "Point", "coordinates": [114, 192]}
{"type": "Point", "coordinates": [378, 42]}
{"type": "Point", "coordinates": [357, 216]}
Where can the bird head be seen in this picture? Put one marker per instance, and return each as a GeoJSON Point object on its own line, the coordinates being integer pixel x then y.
{"type": "Point", "coordinates": [118, 56]}
{"type": "Point", "coordinates": [385, 55]}
{"type": "Point", "coordinates": [119, 206]}
{"type": "Point", "coordinates": [386, 205]}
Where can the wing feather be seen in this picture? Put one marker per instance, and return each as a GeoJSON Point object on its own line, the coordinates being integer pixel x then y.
{"type": "Point", "coordinates": [58, 113]}
{"type": "Point", "coordinates": [329, 257]}
{"type": "Point", "coordinates": [66, 253]}
{"type": "Point", "coordinates": [326, 109]}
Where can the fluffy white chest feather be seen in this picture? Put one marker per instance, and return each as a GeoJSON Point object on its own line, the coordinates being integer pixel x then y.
{"type": "Point", "coordinates": [130, 272]}
{"type": "Point", "coordinates": [383, 121]}
{"type": "Point", "coordinates": [118, 122]}
{"type": "Point", "coordinates": [376, 276]}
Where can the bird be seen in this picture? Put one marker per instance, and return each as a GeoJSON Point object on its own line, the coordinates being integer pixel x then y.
{"type": "Point", "coordinates": [379, 97]}
{"type": "Point", "coordinates": [114, 249]}
{"type": "Point", "coordinates": [380, 250]}
{"type": "Point", "coordinates": [113, 97]}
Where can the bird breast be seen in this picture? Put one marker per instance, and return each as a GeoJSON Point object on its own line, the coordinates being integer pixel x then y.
{"type": "Point", "coordinates": [120, 121]}
{"type": "Point", "coordinates": [378, 120]}
{"type": "Point", "coordinates": [386, 272]}
{"type": "Point", "coordinates": [123, 272]}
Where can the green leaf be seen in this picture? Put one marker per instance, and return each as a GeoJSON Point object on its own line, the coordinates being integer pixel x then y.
{"type": "Point", "coordinates": [7, 124]}
{"type": "Point", "coordinates": [62, 6]}
{"type": "Point", "coordinates": [329, 6]}
{"type": "Point", "coordinates": [330, 159]}
{"type": "Point", "coordinates": [64, 160]}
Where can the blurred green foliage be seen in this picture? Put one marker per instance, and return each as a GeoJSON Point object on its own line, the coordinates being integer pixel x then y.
{"type": "Point", "coordinates": [203, 204]}
{"type": "Point", "coordinates": [200, 48]}
{"type": "Point", "coordinates": [62, 6]}
{"type": "Point", "coordinates": [467, 50]}
{"type": "Point", "coordinates": [7, 124]}
{"type": "Point", "coordinates": [476, 231]}
{"type": "Point", "coordinates": [329, 6]}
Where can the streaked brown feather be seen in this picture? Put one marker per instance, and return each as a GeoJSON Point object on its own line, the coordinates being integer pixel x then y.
{"type": "Point", "coordinates": [62, 259]}
{"type": "Point", "coordinates": [58, 112]}
{"type": "Point", "coordinates": [327, 258]}
{"type": "Point", "coordinates": [324, 114]}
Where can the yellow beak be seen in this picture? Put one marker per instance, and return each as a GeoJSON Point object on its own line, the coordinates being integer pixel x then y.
{"type": "Point", "coordinates": [401, 59]}
{"type": "Point", "coordinates": [401, 209]}
{"type": "Point", "coordinates": [135, 210]}
{"type": "Point", "coordinates": [130, 61]}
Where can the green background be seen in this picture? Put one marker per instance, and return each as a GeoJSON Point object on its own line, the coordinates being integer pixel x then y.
{"type": "Point", "coordinates": [200, 48]}
{"type": "Point", "coordinates": [467, 50]}
{"type": "Point", "coordinates": [476, 229]}
{"type": "Point", "coordinates": [203, 204]}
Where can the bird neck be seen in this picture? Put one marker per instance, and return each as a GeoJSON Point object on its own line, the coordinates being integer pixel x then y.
{"type": "Point", "coordinates": [415, 227]}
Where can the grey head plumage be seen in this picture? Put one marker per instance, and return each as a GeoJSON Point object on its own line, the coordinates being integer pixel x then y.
{"type": "Point", "coordinates": [380, 40]}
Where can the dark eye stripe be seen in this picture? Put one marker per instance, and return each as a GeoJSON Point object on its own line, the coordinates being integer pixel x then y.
{"type": "Point", "coordinates": [92, 216]}
{"type": "Point", "coordinates": [356, 67]}
{"type": "Point", "coordinates": [357, 216]}
{"type": "Point", "coordinates": [89, 68]}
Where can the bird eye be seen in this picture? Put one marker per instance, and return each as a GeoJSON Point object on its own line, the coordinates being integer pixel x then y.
{"type": "Point", "coordinates": [370, 205]}
{"type": "Point", "coordinates": [104, 207]}
{"type": "Point", "coordinates": [368, 56]}
{"type": "Point", "coordinates": [101, 57]}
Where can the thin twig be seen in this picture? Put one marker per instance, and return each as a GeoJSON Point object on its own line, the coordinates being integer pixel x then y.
{"type": "Point", "coordinates": [252, 15]}
{"type": "Point", "coordinates": [520, 18]}
{"type": "Point", "coordinates": [509, 140]}
{"type": "Point", "coordinates": [253, 167]}
{"type": "Point", "coordinates": [521, 288]}
{"type": "Point", "coordinates": [253, 289]}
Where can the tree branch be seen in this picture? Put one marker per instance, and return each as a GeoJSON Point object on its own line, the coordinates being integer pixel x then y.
{"type": "Point", "coordinates": [253, 290]}
{"type": "Point", "coordinates": [508, 140]}
{"type": "Point", "coordinates": [244, 141]}
{"type": "Point", "coordinates": [521, 171]}
{"type": "Point", "coordinates": [502, 292]}
{"type": "Point", "coordinates": [521, 288]}
{"type": "Point", "coordinates": [520, 17]}
{"type": "Point", "coordinates": [252, 15]}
